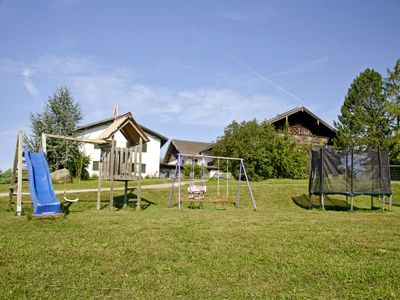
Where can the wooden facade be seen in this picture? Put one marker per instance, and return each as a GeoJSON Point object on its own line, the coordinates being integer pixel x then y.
{"type": "Point", "coordinates": [304, 126]}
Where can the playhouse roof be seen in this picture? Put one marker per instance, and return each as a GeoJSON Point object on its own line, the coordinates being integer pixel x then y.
{"type": "Point", "coordinates": [124, 123]}
{"type": "Point", "coordinates": [114, 121]}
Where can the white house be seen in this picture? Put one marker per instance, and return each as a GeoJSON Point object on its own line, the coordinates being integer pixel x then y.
{"type": "Point", "coordinates": [176, 147]}
{"type": "Point", "coordinates": [150, 150]}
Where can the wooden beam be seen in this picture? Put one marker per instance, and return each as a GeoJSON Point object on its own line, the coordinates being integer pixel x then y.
{"type": "Point", "coordinates": [70, 138]}
{"type": "Point", "coordinates": [135, 163]}
{"type": "Point", "coordinates": [139, 192]}
{"type": "Point", "coordinates": [13, 175]}
{"type": "Point", "coordinates": [19, 167]}
{"type": "Point", "coordinates": [112, 157]}
{"type": "Point", "coordinates": [126, 193]}
{"type": "Point", "coordinates": [44, 143]}
{"type": "Point", "coordinates": [99, 184]}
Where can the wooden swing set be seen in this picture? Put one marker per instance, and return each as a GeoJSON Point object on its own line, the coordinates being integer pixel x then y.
{"type": "Point", "coordinates": [197, 193]}
{"type": "Point", "coordinates": [116, 164]}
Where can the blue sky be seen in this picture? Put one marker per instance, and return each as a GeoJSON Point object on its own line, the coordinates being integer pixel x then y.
{"type": "Point", "coordinates": [186, 69]}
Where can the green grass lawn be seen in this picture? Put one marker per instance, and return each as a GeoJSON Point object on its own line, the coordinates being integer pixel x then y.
{"type": "Point", "coordinates": [87, 184]}
{"type": "Point", "coordinates": [280, 251]}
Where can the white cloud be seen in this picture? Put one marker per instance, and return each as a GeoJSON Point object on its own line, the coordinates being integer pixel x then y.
{"type": "Point", "coordinates": [28, 83]}
{"type": "Point", "coordinates": [98, 85]}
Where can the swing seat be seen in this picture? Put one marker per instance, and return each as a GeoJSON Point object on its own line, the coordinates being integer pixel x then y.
{"type": "Point", "coordinates": [197, 189]}
{"type": "Point", "coordinates": [71, 200]}
{"type": "Point", "coordinates": [66, 199]}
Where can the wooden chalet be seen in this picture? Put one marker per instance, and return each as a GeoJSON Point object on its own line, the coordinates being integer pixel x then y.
{"type": "Point", "coordinates": [304, 126]}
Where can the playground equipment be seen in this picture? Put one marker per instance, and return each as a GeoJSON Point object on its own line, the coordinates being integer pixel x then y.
{"type": "Point", "coordinates": [350, 173]}
{"type": "Point", "coordinates": [116, 164]}
{"type": "Point", "coordinates": [197, 193]}
{"type": "Point", "coordinates": [43, 197]}
{"type": "Point", "coordinates": [122, 164]}
{"type": "Point", "coordinates": [78, 175]}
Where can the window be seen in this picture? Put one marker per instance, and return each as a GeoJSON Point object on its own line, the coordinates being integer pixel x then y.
{"type": "Point", "coordinates": [144, 147]}
{"type": "Point", "coordinates": [96, 146]}
{"type": "Point", "coordinates": [95, 166]}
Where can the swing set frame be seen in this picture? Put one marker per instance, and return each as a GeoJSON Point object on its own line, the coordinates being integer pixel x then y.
{"type": "Point", "coordinates": [178, 173]}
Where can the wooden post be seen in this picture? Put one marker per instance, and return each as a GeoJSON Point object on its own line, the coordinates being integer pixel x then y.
{"type": "Point", "coordinates": [13, 175]}
{"type": "Point", "coordinates": [139, 192]}
{"type": "Point", "coordinates": [99, 183]}
{"type": "Point", "coordinates": [126, 193]}
{"type": "Point", "coordinates": [179, 182]}
{"type": "Point", "coordinates": [112, 157]}
{"type": "Point", "coordinates": [19, 187]}
{"type": "Point", "coordinates": [44, 144]}
{"type": "Point", "coordinates": [135, 163]}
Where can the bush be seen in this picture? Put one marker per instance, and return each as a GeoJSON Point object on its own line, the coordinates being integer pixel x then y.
{"type": "Point", "coordinates": [5, 177]}
{"type": "Point", "coordinates": [187, 167]}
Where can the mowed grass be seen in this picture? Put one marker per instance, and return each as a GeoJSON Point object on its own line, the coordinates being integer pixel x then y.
{"type": "Point", "coordinates": [280, 251]}
{"type": "Point", "coordinates": [87, 184]}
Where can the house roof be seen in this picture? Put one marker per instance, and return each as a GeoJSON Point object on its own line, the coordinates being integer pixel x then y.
{"type": "Point", "coordinates": [108, 121]}
{"type": "Point", "coordinates": [297, 110]}
{"type": "Point", "coordinates": [185, 147]}
{"type": "Point", "coordinates": [163, 139]}
{"type": "Point", "coordinates": [301, 115]}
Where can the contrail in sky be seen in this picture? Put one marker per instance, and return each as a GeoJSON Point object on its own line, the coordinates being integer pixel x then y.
{"type": "Point", "coordinates": [250, 69]}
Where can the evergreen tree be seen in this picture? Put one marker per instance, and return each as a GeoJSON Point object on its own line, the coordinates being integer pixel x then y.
{"type": "Point", "coordinates": [61, 115]}
{"type": "Point", "coordinates": [364, 120]}
{"type": "Point", "coordinates": [392, 91]}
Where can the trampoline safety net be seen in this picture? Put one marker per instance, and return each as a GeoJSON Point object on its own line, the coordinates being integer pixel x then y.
{"type": "Point", "coordinates": [351, 172]}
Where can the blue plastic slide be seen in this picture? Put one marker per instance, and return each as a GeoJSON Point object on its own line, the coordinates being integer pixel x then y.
{"type": "Point", "coordinates": [41, 189]}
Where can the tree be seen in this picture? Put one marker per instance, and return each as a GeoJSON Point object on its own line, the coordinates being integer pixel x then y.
{"type": "Point", "coordinates": [266, 153]}
{"type": "Point", "coordinates": [392, 91]}
{"type": "Point", "coordinates": [61, 115]}
{"type": "Point", "coordinates": [364, 120]}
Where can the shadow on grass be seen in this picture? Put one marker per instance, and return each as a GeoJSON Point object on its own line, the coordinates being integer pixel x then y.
{"type": "Point", "coordinates": [331, 203]}
{"type": "Point", "coordinates": [201, 204]}
{"type": "Point", "coordinates": [65, 208]}
{"type": "Point", "coordinates": [132, 200]}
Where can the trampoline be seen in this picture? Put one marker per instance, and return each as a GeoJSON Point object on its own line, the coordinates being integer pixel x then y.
{"type": "Point", "coordinates": [350, 173]}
